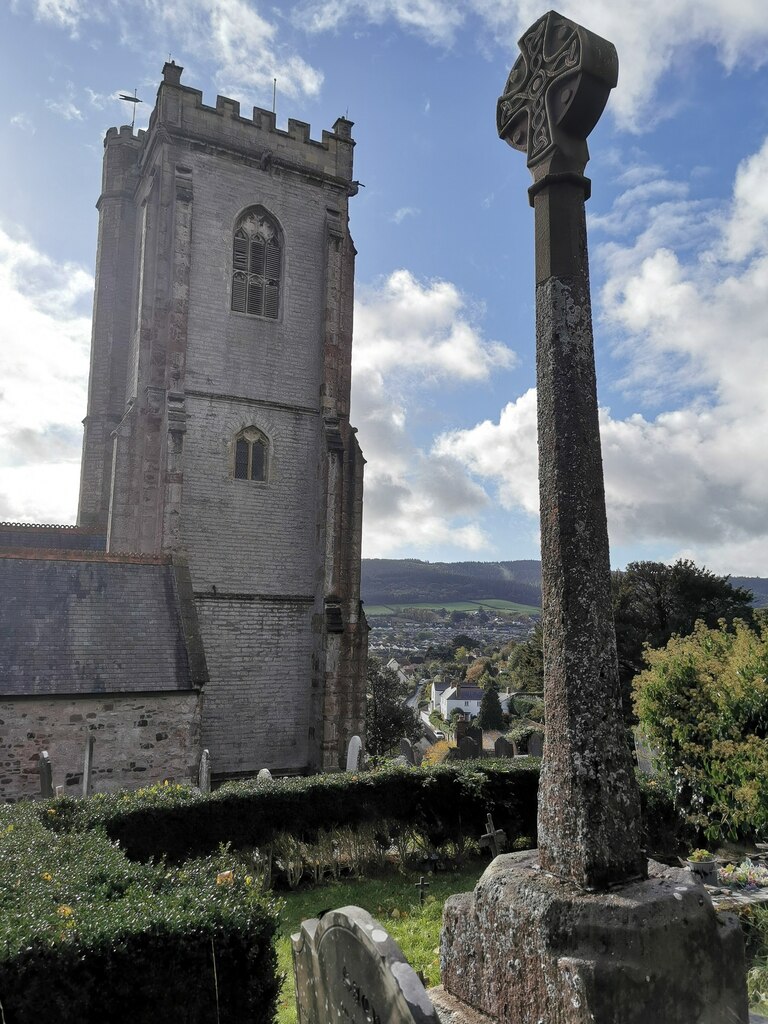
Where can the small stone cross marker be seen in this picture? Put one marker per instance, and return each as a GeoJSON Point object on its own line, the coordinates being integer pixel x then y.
{"type": "Point", "coordinates": [495, 838]}
{"type": "Point", "coordinates": [422, 885]}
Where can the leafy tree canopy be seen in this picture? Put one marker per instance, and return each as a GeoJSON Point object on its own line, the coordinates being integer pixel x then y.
{"type": "Point", "coordinates": [388, 717]}
{"type": "Point", "coordinates": [652, 601]}
{"type": "Point", "coordinates": [703, 703]}
{"type": "Point", "coordinates": [526, 662]}
{"type": "Point", "coordinates": [490, 715]}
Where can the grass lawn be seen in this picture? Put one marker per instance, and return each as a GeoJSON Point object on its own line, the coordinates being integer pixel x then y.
{"type": "Point", "coordinates": [393, 901]}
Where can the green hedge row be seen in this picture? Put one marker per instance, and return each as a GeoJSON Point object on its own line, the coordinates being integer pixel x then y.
{"type": "Point", "coordinates": [442, 803]}
{"type": "Point", "coordinates": [88, 936]}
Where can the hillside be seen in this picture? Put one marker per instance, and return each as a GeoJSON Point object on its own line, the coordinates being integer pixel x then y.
{"type": "Point", "coordinates": [412, 581]}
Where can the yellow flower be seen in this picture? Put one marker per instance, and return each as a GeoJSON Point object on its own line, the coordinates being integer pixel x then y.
{"type": "Point", "coordinates": [47, 876]}
{"type": "Point", "coordinates": [65, 911]}
{"type": "Point", "coordinates": [248, 880]}
{"type": "Point", "coordinates": [225, 878]}
{"type": "Point", "coordinates": [51, 810]}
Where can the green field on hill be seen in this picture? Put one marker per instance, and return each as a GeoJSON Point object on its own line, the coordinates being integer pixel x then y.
{"type": "Point", "coordinates": [492, 604]}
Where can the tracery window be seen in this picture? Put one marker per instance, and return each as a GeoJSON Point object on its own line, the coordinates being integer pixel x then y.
{"type": "Point", "coordinates": [256, 265]}
{"type": "Point", "coordinates": [251, 454]}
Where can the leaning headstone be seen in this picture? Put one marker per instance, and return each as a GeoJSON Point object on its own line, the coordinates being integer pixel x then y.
{"type": "Point", "coordinates": [467, 748]}
{"type": "Point", "coordinates": [204, 772]}
{"type": "Point", "coordinates": [46, 775]}
{"type": "Point", "coordinates": [503, 748]}
{"type": "Point", "coordinates": [406, 749]}
{"type": "Point", "coordinates": [264, 775]}
{"type": "Point", "coordinates": [354, 754]}
{"type": "Point", "coordinates": [87, 764]}
{"type": "Point", "coordinates": [536, 744]}
{"type": "Point", "coordinates": [594, 938]}
{"type": "Point", "coordinates": [347, 967]}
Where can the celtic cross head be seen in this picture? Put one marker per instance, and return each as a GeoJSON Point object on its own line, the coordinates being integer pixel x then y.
{"type": "Point", "coordinates": [555, 94]}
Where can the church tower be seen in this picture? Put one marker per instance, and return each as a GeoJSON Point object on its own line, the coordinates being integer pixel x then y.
{"type": "Point", "coordinates": [218, 426]}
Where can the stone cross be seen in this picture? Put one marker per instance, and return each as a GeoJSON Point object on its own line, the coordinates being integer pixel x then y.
{"type": "Point", "coordinates": [588, 822]}
{"type": "Point", "coordinates": [87, 764]}
{"type": "Point", "coordinates": [422, 885]}
{"type": "Point", "coordinates": [204, 772]}
{"type": "Point", "coordinates": [495, 838]}
{"type": "Point", "coordinates": [46, 775]}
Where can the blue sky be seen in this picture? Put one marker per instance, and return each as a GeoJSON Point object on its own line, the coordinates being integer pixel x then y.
{"type": "Point", "coordinates": [444, 378]}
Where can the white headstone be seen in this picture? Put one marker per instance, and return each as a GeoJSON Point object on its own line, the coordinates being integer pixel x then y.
{"type": "Point", "coordinates": [354, 754]}
{"type": "Point", "coordinates": [265, 775]}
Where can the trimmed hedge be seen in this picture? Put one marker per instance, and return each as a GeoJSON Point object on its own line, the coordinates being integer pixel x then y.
{"type": "Point", "coordinates": [442, 803]}
{"type": "Point", "coordinates": [88, 936]}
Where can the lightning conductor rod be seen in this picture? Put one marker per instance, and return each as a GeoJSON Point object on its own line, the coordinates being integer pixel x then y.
{"type": "Point", "coordinates": [134, 100]}
{"type": "Point", "coordinates": [274, 95]}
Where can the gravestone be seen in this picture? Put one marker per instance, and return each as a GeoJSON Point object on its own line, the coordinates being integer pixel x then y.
{"type": "Point", "coordinates": [503, 748]}
{"type": "Point", "coordinates": [474, 732]}
{"type": "Point", "coordinates": [467, 748]}
{"type": "Point", "coordinates": [264, 775]}
{"type": "Point", "coordinates": [46, 775]}
{"type": "Point", "coordinates": [406, 750]}
{"type": "Point", "coordinates": [462, 725]}
{"type": "Point", "coordinates": [536, 744]}
{"type": "Point", "coordinates": [348, 968]}
{"type": "Point", "coordinates": [204, 772]}
{"type": "Point", "coordinates": [594, 938]}
{"type": "Point", "coordinates": [87, 763]}
{"type": "Point", "coordinates": [354, 754]}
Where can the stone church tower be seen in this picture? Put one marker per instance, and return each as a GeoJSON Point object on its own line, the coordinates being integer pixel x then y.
{"type": "Point", "coordinates": [218, 411]}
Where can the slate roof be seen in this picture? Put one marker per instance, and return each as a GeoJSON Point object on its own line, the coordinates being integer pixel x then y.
{"type": "Point", "coordinates": [78, 624]}
{"type": "Point", "coordinates": [49, 536]}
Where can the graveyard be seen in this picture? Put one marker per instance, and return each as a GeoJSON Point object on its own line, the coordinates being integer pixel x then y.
{"type": "Point", "coordinates": [557, 886]}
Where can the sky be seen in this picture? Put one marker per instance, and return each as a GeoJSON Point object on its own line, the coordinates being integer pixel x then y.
{"type": "Point", "coordinates": [444, 346]}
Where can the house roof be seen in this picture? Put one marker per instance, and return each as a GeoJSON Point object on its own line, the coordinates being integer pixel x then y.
{"type": "Point", "coordinates": [95, 624]}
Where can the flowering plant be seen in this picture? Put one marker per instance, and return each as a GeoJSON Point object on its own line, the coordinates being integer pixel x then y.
{"type": "Point", "coordinates": [745, 875]}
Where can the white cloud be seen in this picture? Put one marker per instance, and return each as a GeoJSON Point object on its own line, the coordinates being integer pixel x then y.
{"type": "Point", "coordinates": [44, 340]}
{"type": "Point", "coordinates": [409, 337]}
{"type": "Point", "coordinates": [692, 479]}
{"type": "Point", "coordinates": [23, 122]}
{"type": "Point", "coordinates": [405, 211]}
{"type": "Point", "coordinates": [243, 45]}
{"type": "Point", "coordinates": [652, 37]}
{"type": "Point", "coordinates": [64, 105]}
{"type": "Point", "coordinates": [436, 20]}
{"type": "Point", "coordinates": [64, 13]}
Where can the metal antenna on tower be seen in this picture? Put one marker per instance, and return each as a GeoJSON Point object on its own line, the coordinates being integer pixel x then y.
{"type": "Point", "coordinates": [134, 100]}
{"type": "Point", "coordinates": [274, 95]}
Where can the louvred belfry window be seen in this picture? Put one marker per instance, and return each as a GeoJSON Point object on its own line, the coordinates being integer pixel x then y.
{"type": "Point", "coordinates": [256, 266]}
{"type": "Point", "coordinates": [251, 448]}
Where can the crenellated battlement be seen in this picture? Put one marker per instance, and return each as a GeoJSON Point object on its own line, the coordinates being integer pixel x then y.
{"type": "Point", "coordinates": [181, 112]}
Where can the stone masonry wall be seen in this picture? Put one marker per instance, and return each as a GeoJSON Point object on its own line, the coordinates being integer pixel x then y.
{"type": "Point", "coordinates": [138, 739]}
{"type": "Point", "coordinates": [259, 701]}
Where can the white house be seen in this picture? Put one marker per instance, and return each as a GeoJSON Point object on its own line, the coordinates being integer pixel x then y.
{"type": "Point", "coordinates": [436, 691]}
{"type": "Point", "coordinates": [462, 698]}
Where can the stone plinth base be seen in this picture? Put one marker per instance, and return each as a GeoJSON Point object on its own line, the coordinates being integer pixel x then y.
{"type": "Point", "coordinates": [525, 948]}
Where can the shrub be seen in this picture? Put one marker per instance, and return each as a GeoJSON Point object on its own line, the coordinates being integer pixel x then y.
{"type": "Point", "coordinates": [441, 804]}
{"type": "Point", "coordinates": [703, 703]}
{"type": "Point", "coordinates": [88, 936]}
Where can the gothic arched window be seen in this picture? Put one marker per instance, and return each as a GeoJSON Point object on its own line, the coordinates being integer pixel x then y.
{"type": "Point", "coordinates": [256, 265]}
{"type": "Point", "coordinates": [251, 454]}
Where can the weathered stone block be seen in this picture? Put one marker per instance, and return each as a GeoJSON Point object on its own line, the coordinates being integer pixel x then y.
{"type": "Point", "coordinates": [526, 948]}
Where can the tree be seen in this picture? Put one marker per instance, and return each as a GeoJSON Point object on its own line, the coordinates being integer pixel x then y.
{"type": "Point", "coordinates": [703, 703]}
{"type": "Point", "coordinates": [652, 601]}
{"type": "Point", "coordinates": [388, 717]}
{"type": "Point", "coordinates": [526, 662]}
{"type": "Point", "coordinates": [490, 715]}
